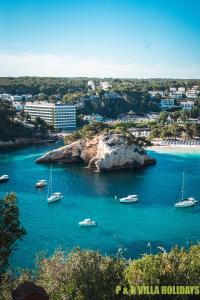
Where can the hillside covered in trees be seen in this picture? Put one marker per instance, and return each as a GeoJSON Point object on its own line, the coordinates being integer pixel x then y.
{"type": "Point", "coordinates": [54, 85]}
{"type": "Point", "coordinates": [15, 125]}
{"type": "Point", "coordinates": [131, 94]}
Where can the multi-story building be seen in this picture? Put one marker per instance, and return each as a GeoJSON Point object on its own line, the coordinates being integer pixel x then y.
{"type": "Point", "coordinates": [187, 105]}
{"type": "Point", "coordinates": [176, 95]}
{"type": "Point", "coordinates": [167, 103]}
{"type": "Point", "coordinates": [60, 116]}
{"type": "Point", "coordinates": [192, 93]}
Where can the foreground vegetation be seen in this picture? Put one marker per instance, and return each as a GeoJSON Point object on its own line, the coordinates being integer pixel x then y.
{"type": "Point", "coordinates": [87, 275]}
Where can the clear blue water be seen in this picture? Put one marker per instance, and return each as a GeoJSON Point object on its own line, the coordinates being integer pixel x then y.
{"type": "Point", "coordinates": [88, 194]}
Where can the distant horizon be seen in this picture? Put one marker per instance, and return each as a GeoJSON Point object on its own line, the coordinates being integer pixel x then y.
{"type": "Point", "coordinates": [101, 78]}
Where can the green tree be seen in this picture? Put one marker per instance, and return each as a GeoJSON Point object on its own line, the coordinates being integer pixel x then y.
{"type": "Point", "coordinates": [10, 228]}
{"type": "Point", "coordinates": [85, 275]}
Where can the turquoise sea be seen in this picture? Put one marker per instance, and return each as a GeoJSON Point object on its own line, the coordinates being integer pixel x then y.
{"type": "Point", "coordinates": [153, 219]}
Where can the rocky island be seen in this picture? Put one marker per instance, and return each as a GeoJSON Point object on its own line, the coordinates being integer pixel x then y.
{"type": "Point", "coordinates": [101, 149]}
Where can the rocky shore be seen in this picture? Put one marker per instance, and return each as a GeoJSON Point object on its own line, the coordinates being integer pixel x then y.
{"type": "Point", "coordinates": [103, 152]}
{"type": "Point", "coordinates": [22, 142]}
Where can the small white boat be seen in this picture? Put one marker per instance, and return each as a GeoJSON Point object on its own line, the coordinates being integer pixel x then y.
{"type": "Point", "coordinates": [41, 183]}
{"type": "Point", "coordinates": [129, 199]}
{"type": "Point", "coordinates": [52, 197]}
{"type": "Point", "coordinates": [55, 197]}
{"type": "Point", "coordinates": [187, 202]}
{"type": "Point", "coordinates": [87, 222]}
{"type": "Point", "coordinates": [4, 178]}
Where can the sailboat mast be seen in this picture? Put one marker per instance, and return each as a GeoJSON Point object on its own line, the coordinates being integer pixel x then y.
{"type": "Point", "coordinates": [183, 185]}
{"type": "Point", "coordinates": [51, 181]}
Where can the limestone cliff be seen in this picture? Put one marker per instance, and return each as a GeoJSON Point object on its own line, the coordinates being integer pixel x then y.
{"type": "Point", "coordinates": [103, 152]}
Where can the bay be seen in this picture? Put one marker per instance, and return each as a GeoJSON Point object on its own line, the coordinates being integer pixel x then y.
{"type": "Point", "coordinates": [87, 194]}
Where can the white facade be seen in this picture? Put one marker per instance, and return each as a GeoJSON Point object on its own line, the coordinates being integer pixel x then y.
{"type": "Point", "coordinates": [176, 95]}
{"type": "Point", "coordinates": [91, 84]}
{"type": "Point", "coordinates": [93, 118]}
{"type": "Point", "coordinates": [167, 103]}
{"type": "Point", "coordinates": [187, 105]}
{"type": "Point", "coordinates": [58, 115]}
{"type": "Point", "coordinates": [6, 97]}
{"type": "Point", "coordinates": [105, 85]}
{"type": "Point", "coordinates": [172, 89]}
{"type": "Point", "coordinates": [192, 93]}
{"type": "Point", "coordinates": [181, 89]}
{"type": "Point", "coordinates": [155, 93]}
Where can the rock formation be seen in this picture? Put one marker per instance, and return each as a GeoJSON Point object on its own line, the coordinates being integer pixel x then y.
{"type": "Point", "coordinates": [104, 152]}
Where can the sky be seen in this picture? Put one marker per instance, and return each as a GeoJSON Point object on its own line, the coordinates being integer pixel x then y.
{"type": "Point", "coordinates": [100, 38]}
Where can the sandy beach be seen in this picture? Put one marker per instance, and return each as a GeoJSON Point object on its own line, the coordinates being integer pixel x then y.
{"type": "Point", "coordinates": [175, 149]}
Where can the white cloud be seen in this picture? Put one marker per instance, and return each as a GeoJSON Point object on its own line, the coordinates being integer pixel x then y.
{"type": "Point", "coordinates": [29, 64]}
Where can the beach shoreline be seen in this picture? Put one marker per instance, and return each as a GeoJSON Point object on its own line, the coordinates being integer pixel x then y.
{"type": "Point", "coordinates": [176, 148]}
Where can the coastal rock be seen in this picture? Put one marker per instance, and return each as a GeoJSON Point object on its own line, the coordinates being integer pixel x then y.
{"type": "Point", "coordinates": [20, 142]}
{"type": "Point", "coordinates": [104, 152]}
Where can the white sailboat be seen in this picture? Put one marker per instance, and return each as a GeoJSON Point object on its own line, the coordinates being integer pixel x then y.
{"type": "Point", "coordinates": [185, 202]}
{"type": "Point", "coordinates": [52, 197]}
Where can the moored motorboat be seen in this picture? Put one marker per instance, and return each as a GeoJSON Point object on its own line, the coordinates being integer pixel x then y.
{"type": "Point", "coordinates": [87, 222]}
{"type": "Point", "coordinates": [129, 199]}
{"type": "Point", "coordinates": [41, 183]}
{"type": "Point", "coordinates": [4, 178]}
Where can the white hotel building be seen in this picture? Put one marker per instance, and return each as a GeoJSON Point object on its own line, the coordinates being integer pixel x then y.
{"type": "Point", "coordinates": [60, 116]}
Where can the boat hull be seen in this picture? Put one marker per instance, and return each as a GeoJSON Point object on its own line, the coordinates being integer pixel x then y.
{"type": "Point", "coordinates": [54, 199]}
{"type": "Point", "coordinates": [128, 200]}
{"type": "Point", "coordinates": [4, 180]}
{"type": "Point", "coordinates": [87, 225]}
{"type": "Point", "coordinates": [184, 205]}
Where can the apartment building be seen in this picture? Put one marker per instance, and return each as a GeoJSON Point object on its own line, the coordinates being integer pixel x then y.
{"type": "Point", "coordinates": [167, 103]}
{"type": "Point", "coordinates": [192, 93]}
{"type": "Point", "coordinates": [60, 116]}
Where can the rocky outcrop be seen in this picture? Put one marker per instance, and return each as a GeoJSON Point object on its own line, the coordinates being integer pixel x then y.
{"type": "Point", "coordinates": [104, 152]}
